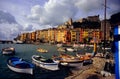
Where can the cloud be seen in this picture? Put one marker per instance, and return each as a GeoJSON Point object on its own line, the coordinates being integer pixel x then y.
{"type": "Point", "coordinates": [28, 27]}
{"type": "Point", "coordinates": [113, 7]}
{"type": "Point", "coordinates": [56, 12]}
{"type": "Point", "coordinates": [9, 31]}
{"type": "Point", "coordinates": [6, 17]}
{"type": "Point", "coordinates": [9, 28]}
{"type": "Point", "coordinates": [53, 12]}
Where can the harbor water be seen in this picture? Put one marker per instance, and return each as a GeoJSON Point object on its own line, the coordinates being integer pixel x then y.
{"type": "Point", "coordinates": [26, 51]}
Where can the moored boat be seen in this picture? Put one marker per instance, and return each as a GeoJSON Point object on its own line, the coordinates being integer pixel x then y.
{"type": "Point", "coordinates": [59, 45]}
{"type": "Point", "coordinates": [75, 45]}
{"type": "Point", "coordinates": [42, 50]}
{"type": "Point", "coordinates": [71, 49]}
{"type": "Point", "coordinates": [42, 62]}
{"type": "Point", "coordinates": [19, 65]}
{"type": "Point", "coordinates": [87, 58]}
{"type": "Point", "coordinates": [8, 51]}
{"type": "Point", "coordinates": [68, 60]}
{"type": "Point", "coordinates": [61, 49]}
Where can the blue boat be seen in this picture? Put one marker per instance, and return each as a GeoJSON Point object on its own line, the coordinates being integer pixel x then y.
{"type": "Point", "coordinates": [20, 65]}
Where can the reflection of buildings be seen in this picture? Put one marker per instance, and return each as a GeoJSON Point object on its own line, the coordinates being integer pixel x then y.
{"type": "Point", "coordinates": [80, 31]}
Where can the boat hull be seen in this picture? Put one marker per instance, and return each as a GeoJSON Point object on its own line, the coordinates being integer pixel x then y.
{"type": "Point", "coordinates": [75, 64]}
{"type": "Point", "coordinates": [8, 51]}
{"type": "Point", "coordinates": [52, 67]}
{"type": "Point", "coordinates": [20, 70]}
{"type": "Point", "coordinates": [49, 66]}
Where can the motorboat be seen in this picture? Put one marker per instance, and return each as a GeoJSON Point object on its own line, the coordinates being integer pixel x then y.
{"type": "Point", "coordinates": [42, 62]}
{"type": "Point", "coordinates": [71, 49]}
{"type": "Point", "coordinates": [42, 50]}
{"type": "Point", "coordinates": [20, 65]}
{"type": "Point", "coordinates": [8, 51]}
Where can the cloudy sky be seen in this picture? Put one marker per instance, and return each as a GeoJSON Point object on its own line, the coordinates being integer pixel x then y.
{"type": "Point", "coordinates": [18, 16]}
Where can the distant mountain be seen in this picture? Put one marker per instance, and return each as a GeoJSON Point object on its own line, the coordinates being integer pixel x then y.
{"type": "Point", "coordinates": [6, 17]}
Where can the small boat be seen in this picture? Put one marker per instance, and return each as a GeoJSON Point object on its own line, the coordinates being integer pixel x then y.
{"type": "Point", "coordinates": [61, 49]}
{"type": "Point", "coordinates": [59, 45]}
{"type": "Point", "coordinates": [75, 45]}
{"type": "Point", "coordinates": [71, 49]}
{"type": "Point", "coordinates": [106, 48]}
{"type": "Point", "coordinates": [42, 62]}
{"type": "Point", "coordinates": [8, 51]}
{"type": "Point", "coordinates": [17, 41]}
{"type": "Point", "coordinates": [42, 50]}
{"type": "Point", "coordinates": [87, 58]}
{"type": "Point", "coordinates": [20, 65]}
{"type": "Point", "coordinates": [68, 60]}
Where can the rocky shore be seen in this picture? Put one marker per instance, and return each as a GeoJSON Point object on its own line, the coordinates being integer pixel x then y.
{"type": "Point", "coordinates": [96, 70]}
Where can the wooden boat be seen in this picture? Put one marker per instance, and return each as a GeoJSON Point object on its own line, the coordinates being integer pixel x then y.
{"type": "Point", "coordinates": [61, 49]}
{"type": "Point", "coordinates": [87, 58]}
{"type": "Point", "coordinates": [42, 50]}
{"type": "Point", "coordinates": [42, 62]}
{"type": "Point", "coordinates": [68, 60]}
{"type": "Point", "coordinates": [19, 65]}
{"type": "Point", "coordinates": [8, 51]}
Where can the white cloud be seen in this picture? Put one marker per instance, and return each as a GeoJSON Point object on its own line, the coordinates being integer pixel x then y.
{"type": "Point", "coordinates": [9, 28]}
{"type": "Point", "coordinates": [9, 31]}
{"type": "Point", "coordinates": [53, 12]}
{"type": "Point", "coordinates": [56, 12]}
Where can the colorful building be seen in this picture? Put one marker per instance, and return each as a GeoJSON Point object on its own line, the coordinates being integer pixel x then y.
{"type": "Point", "coordinates": [61, 35]}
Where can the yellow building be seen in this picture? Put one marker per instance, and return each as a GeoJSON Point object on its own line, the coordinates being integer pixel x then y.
{"type": "Point", "coordinates": [37, 35]}
{"type": "Point", "coordinates": [52, 35]}
{"type": "Point", "coordinates": [61, 35]}
{"type": "Point", "coordinates": [85, 33]}
{"type": "Point", "coordinates": [73, 35]}
{"type": "Point", "coordinates": [44, 35]}
{"type": "Point", "coordinates": [33, 36]}
{"type": "Point", "coordinates": [23, 36]}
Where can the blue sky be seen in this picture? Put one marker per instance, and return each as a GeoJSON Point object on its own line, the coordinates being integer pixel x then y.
{"type": "Point", "coordinates": [31, 15]}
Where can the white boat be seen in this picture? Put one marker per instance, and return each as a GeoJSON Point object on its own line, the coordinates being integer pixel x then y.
{"type": "Point", "coordinates": [59, 45]}
{"type": "Point", "coordinates": [8, 51]}
{"type": "Point", "coordinates": [19, 65]}
{"type": "Point", "coordinates": [71, 49]}
{"type": "Point", "coordinates": [106, 48]}
{"type": "Point", "coordinates": [48, 64]}
{"type": "Point", "coordinates": [75, 45]}
{"type": "Point", "coordinates": [17, 41]}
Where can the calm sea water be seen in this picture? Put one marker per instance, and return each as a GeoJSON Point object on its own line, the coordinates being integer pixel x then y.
{"type": "Point", "coordinates": [25, 51]}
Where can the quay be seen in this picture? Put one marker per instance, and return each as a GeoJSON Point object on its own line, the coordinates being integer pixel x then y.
{"type": "Point", "coordinates": [5, 41]}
